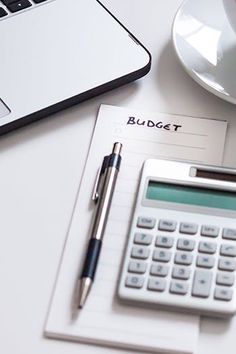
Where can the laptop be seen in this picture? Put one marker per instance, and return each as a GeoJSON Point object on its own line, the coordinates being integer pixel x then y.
{"type": "Point", "coordinates": [56, 53]}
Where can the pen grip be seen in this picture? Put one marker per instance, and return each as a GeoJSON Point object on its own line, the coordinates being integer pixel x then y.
{"type": "Point", "coordinates": [93, 252]}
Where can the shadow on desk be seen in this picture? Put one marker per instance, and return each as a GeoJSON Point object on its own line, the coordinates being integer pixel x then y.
{"type": "Point", "coordinates": [215, 326]}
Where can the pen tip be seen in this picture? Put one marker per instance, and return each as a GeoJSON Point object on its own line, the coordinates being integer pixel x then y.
{"type": "Point", "coordinates": [85, 286]}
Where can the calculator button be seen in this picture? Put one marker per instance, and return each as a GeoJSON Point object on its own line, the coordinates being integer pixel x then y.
{"type": "Point", "coordinates": [177, 287]}
{"type": "Point", "coordinates": [202, 283]}
{"type": "Point", "coordinates": [181, 273]}
{"type": "Point", "coordinates": [183, 258]}
{"type": "Point", "coordinates": [205, 261]}
{"type": "Point", "coordinates": [210, 231]}
{"type": "Point", "coordinates": [185, 244]}
{"type": "Point", "coordinates": [140, 252]}
{"type": "Point", "coordinates": [167, 225]}
{"type": "Point", "coordinates": [156, 284]}
{"type": "Point", "coordinates": [229, 234]}
{"type": "Point", "coordinates": [142, 239]}
{"type": "Point", "coordinates": [207, 247]}
{"type": "Point", "coordinates": [228, 250]}
{"type": "Point", "coordinates": [223, 294]}
{"type": "Point", "coordinates": [188, 228]}
{"type": "Point", "coordinates": [146, 223]}
{"type": "Point", "coordinates": [164, 241]}
{"type": "Point", "coordinates": [225, 279]}
{"type": "Point", "coordinates": [161, 256]}
{"type": "Point", "coordinates": [137, 267]}
{"type": "Point", "coordinates": [227, 264]}
{"type": "Point", "coordinates": [159, 269]}
{"type": "Point", "coordinates": [134, 281]}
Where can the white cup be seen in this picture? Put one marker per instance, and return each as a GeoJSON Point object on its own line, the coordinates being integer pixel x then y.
{"type": "Point", "coordinates": [230, 9]}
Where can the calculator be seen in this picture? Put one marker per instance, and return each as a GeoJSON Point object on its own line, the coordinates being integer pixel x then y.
{"type": "Point", "coordinates": [181, 250]}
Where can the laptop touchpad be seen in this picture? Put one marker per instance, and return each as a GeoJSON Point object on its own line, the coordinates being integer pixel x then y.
{"type": "Point", "coordinates": [4, 110]}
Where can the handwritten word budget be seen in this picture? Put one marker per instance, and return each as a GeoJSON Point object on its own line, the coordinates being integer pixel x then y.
{"type": "Point", "coordinates": [151, 124]}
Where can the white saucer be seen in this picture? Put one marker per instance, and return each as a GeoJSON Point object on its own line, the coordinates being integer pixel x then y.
{"type": "Point", "coordinates": [206, 46]}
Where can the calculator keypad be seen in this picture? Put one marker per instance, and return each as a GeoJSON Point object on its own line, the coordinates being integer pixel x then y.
{"type": "Point", "coordinates": [182, 259]}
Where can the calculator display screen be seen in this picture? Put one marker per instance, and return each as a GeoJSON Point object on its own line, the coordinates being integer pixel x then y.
{"type": "Point", "coordinates": [190, 195]}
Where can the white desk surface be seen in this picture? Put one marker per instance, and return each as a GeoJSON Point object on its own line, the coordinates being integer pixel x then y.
{"type": "Point", "coordinates": [41, 166]}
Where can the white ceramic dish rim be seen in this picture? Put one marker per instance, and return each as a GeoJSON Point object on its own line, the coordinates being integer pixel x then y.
{"type": "Point", "coordinates": [193, 75]}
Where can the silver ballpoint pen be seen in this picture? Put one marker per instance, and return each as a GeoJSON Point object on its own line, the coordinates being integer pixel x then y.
{"type": "Point", "coordinates": [102, 196]}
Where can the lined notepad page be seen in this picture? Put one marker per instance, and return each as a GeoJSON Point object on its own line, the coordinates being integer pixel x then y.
{"type": "Point", "coordinates": [104, 319]}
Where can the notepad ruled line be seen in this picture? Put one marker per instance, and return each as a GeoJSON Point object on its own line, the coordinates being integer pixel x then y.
{"type": "Point", "coordinates": [163, 143]}
{"type": "Point", "coordinates": [151, 155]}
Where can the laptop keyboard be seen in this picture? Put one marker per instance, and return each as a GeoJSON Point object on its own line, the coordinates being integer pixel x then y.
{"type": "Point", "coordinates": [11, 6]}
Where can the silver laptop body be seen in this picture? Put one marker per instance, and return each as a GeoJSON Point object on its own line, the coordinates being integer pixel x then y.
{"type": "Point", "coordinates": [55, 53]}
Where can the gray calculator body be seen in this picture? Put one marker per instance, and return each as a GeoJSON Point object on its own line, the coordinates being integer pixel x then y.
{"type": "Point", "coordinates": [181, 250]}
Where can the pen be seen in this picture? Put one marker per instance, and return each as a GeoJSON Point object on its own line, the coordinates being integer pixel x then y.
{"type": "Point", "coordinates": [102, 196]}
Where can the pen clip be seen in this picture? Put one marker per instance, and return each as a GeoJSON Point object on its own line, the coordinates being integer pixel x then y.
{"type": "Point", "coordinates": [101, 171]}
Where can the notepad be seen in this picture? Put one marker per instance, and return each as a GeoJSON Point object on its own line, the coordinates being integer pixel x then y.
{"type": "Point", "coordinates": [104, 320]}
